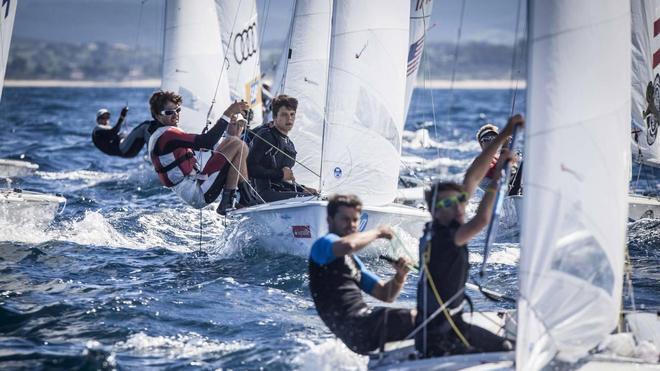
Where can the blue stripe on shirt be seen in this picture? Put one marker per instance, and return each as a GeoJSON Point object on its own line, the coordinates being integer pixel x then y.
{"type": "Point", "coordinates": [369, 279]}
{"type": "Point", "coordinates": [321, 252]}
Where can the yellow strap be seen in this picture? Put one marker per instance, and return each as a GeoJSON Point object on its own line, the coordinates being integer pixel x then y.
{"type": "Point", "coordinates": [427, 257]}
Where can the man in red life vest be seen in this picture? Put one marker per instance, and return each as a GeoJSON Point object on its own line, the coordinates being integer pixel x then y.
{"type": "Point", "coordinates": [171, 153]}
{"type": "Point", "coordinates": [485, 135]}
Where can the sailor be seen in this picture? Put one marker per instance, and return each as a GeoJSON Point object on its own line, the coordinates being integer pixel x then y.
{"type": "Point", "coordinates": [445, 258]}
{"type": "Point", "coordinates": [171, 153]}
{"type": "Point", "coordinates": [485, 136]}
{"type": "Point", "coordinates": [247, 196]}
{"type": "Point", "coordinates": [109, 139]}
{"type": "Point", "coordinates": [337, 275]}
{"type": "Point", "coordinates": [273, 155]}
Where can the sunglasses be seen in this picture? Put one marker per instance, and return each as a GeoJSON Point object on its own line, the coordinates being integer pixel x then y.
{"type": "Point", "coordinates": [448, 202]}
{"type": "Point", "coordinates": [488, 139]}
{"type": "Point", "coordinates": [169, 112]}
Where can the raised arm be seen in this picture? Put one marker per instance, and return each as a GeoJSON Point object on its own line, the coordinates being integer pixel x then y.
{"type": "Point", "coordinates": [120, 120]}
{"type": "Point", "coordinates": [356, 241]}
{"type": "Point", "coordinates": [467, 231]}
{"type": "Point", "coordinates": [211, 137]}
{"type": "Point", "coordinates": [480, 166]}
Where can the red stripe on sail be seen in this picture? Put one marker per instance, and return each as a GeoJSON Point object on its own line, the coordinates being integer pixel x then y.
{"type": "Point", "coordinates": [656, 27]}
{"type": "Point", "coordinates": [656, 58]}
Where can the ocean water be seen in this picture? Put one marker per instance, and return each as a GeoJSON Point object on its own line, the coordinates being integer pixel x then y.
{"type": "Point", "coordinates": [123, 279]}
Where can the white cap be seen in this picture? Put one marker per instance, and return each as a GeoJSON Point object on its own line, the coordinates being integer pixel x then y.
{"type": "Point", "coordinates": [101, 112]}
{"type": "Point", "coordinates": [239, 117]}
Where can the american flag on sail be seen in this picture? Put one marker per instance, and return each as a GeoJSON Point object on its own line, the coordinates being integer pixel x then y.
{"type": "Point", "coordinates": [415, 55]}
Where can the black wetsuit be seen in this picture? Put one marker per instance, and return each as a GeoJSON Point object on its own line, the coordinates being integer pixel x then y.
{"type": "Point", "coordinates": [265, 165]}
{"type": "Point", "coordinates": [449, 267]}
{"type": "Point", "coordinates": [336, 285]}
{"type": "Point", "coordinates": [111, 142]}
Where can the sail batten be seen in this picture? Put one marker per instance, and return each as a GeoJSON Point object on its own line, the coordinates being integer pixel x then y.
{"type": "Point", "coordinates": [576, 156]}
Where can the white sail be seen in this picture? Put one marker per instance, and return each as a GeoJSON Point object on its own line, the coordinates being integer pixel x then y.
{"type": "Point", "coordinates": [240, 42]}
{"type": "Point", "coordinates": [420, 17]}
{"type": "Point", "coordinates": [576, 153]}
{"type": "Point", "coordinates": [193, 61]}
{"type": "Point", "coordinates": [365, 105]}
{"type": "Point", "coordinates": [645, 75]}
{"type": "Point", "coordinates": [7, 15]}
{"type": "Point", "coordinates": [305, 76]}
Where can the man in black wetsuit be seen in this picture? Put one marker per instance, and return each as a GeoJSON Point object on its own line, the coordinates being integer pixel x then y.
{"type": "Point", "coordinates": [337, 275]}
{"type": "Point", "coordinates": [445, 258]}
{"type": "Point", "coordinates": [111, 142]}
{"type": "Point", "coordinates": [273, 155]}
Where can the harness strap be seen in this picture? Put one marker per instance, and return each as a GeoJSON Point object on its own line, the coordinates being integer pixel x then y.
{"type": "Point", "coordinates": [175, 163]}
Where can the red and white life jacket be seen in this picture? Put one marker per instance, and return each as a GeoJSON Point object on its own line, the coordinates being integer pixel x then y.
{"type": "Point", "coordinates": [172, 167]}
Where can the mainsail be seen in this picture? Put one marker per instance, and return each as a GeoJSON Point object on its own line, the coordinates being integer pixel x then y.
{"type": "Point", "coordinates": [240, 42]}
{"type": "Point", "coordinates": [305, 76]}
{"type": "Point", "coordinates": [193, 61]}
{"type": "Point", "coordinates": [420, 16]}
{"type": "Point", "coordinates": [7, 15]}
{"type": "Point", "coordinates": [646, 80]}
{"type": "Point", "coordinates": [576, 155]}
{"type": "Point", "coordinates": [364, 106]}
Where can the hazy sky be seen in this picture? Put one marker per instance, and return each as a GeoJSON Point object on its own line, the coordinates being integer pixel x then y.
{"type": "Point", "coordinates": [118, 21]}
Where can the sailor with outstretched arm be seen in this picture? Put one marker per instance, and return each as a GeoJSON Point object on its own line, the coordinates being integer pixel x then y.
{"type": "Point", "coordinates": [444, 259]}
{"type": "Point", "coordinates": [171, 153]}
{"type": "Point", "coordinates": [111, 141]}
{"type": "Point", "coordinates": [337, 276]}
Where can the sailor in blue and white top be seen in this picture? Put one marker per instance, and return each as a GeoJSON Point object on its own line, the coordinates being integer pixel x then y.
{"type": "Point", "coordinates": [337, 277]}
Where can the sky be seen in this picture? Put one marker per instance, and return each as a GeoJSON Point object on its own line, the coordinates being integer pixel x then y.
{"type": "Point", "coordinates": [139, 22]}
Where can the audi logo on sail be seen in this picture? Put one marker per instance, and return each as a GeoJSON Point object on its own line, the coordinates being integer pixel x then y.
{"type": "Point", "coordinates": [245, 43]}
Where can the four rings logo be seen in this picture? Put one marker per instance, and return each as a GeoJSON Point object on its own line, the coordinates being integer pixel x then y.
{"type": "Point", "coordinates": [245, 43]}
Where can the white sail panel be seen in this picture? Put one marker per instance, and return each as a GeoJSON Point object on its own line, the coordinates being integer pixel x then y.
{"type": "Point", "coordinates": [365, 99]}
{"type": "Point", "coordinates": [240, 42]}
{"type": "Point", "coordinates": [305, 76]}
{"type": "Point", "coordinates": [7, 16]}
{"type": "Point", "coordinates": [192, 61]}
{"type": "Point", "coordinates": [576, 154]}
{"type": "Point", "coordinates": [420, 18]}
{"type": "Point", "coordinates": [645, 80]}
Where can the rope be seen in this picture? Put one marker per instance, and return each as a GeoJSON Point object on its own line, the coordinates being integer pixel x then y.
{"type": "Point", "coordinates": [239, 173]}
{"type": "Point", "coordinates": [513, 60]}
{"type": "Point", "coordinates": [455, 62]}
{"type": "Point", "coordinates": [282, 152]}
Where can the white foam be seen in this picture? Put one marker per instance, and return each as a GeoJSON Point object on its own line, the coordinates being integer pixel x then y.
{"type": "Point", "coordinates": [508, 254]}
{"type": "Point", "coordinates": [329, 355]}
{"type": "Point", "coordinates": [189, 345]}
{"type": "Point", "coordinates": [86, 176]}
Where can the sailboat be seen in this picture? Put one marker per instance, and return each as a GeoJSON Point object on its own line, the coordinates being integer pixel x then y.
{"type": "Point", "coordinates": [211, 58]}
{"type": "Point", "coordinates": [577, 154]}
{"type": "Point", "coordinates": [20, 207]}
{"type": "Point", "coordinates": [349, 120]}
{"type": "Point", "coordinates": [645, 115]}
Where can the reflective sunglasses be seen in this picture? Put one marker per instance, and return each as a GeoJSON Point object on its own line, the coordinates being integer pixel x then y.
{"type": "Point", "coordinates": [448, 202]}
{"type": "Point", "coordinates": [169, 112]}
{"type": "Point", "coordinates": [487, 139]}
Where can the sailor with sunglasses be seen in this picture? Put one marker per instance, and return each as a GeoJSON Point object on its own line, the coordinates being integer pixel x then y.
{"type": "Point", "coordinates": [445, 258]}
{"type": "Point", "coordinates": [485, 136]}
{"type": "Point", "coordinates": [171, 153]}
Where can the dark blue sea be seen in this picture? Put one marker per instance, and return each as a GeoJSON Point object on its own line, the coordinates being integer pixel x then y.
{"type": "Point", "coordinates": [120, 279]}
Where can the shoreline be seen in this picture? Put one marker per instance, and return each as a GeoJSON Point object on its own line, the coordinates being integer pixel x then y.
{"type": "Point", "coordinates": [155, 83]}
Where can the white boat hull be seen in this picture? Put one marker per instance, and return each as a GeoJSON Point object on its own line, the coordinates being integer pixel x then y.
{"type": "Point", "coordinates": [16, 168]}
{"type": "Point", "coordinates": [643, 207]}
{"type": "Point", "coordinates": [292, 226]}
{"type": "Point", "coordinates": [24, 208]}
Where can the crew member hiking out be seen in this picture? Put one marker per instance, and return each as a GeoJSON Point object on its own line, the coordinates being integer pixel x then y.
{"type": "Point", "coordinates": [171, 153]}
{"type": "Point", "coordinates": [445, 259]}
{"type": "Point", "coordinates": [485, 136]}
{"type": "Point", "coordinates": [111, 142]}
{"type": "Point", "coordinates": [273, 155]}
{"type": "Point", "coordinates": [337, 275]}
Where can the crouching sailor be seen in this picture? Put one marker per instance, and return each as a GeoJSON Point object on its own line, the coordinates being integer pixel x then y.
{"type": "Point", "coordinates": [171, 153]}
{"type": "Point", "coordinates": [336, 277]}
{"type": "Point", "coordinates": [111, 142]}
{"type": "Point", "coordinates": [445, 265]}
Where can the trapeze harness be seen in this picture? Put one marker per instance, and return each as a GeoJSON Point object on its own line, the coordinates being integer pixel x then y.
{"type": "Point", "coordinates": [171, 153]}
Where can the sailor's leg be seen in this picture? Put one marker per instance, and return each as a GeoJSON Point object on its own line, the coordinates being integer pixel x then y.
{"type": "Point", "coordinates": [133, 143]}
{"type": "Point", "coordinates": [236, 151]}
